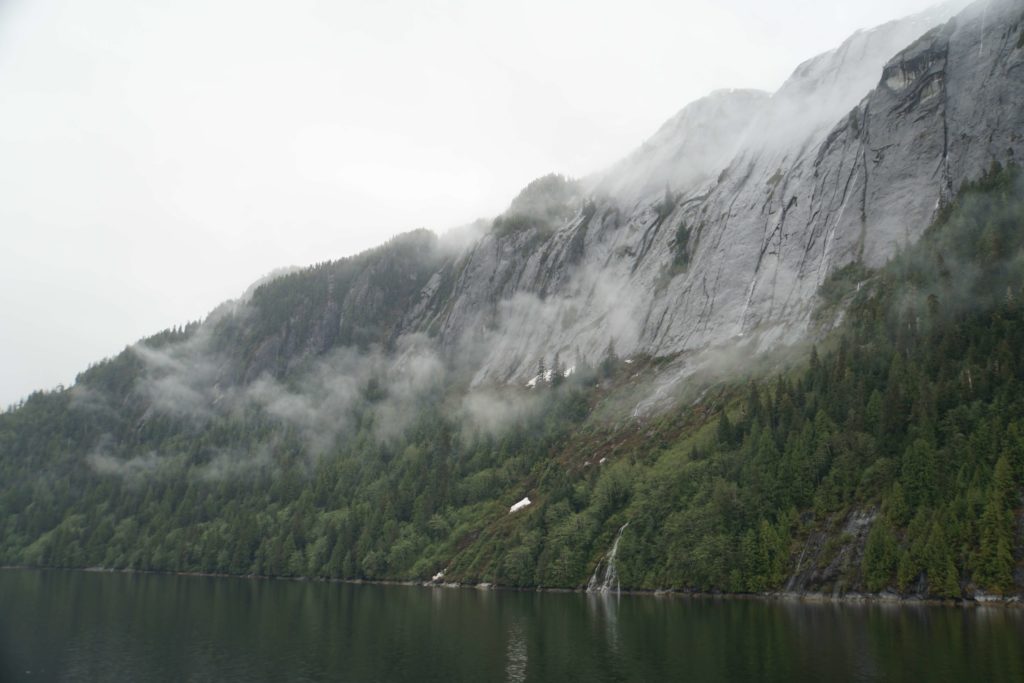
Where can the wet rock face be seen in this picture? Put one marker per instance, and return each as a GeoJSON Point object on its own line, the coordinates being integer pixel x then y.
{"type": "Point", "coordinates": [678, 249]}
{"type": "Point", "coordinates": [716, 233]}
{"type": "Point", "coordinates": [829, 561]}
{"type": "Point", "coordinates": [919, 66]}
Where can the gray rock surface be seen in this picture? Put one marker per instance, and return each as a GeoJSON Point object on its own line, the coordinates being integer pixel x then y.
{"type": "Point", "coordinates": [707, 245]}
{"type": "Point", "coordinates": [680, 248]}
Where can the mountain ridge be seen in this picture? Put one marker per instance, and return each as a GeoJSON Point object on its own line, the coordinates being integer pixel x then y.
{"type": "Point", "coordinates": [619, 226]}
{"type": "Point", "coordinates": [702, 307]}
{"type": "Point", "coordinates": [604, 351]}
{"type": "Point", "coordinates": [712, 262]}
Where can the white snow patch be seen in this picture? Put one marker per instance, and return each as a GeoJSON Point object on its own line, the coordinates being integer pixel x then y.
{"type": "Point", "coordinates": [520, 505]}
{"type": "Point", "coordinates": [548, 375]}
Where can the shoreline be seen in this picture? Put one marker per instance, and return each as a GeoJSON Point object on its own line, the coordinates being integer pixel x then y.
{"type": "Point", "coordinates": [852, 598]}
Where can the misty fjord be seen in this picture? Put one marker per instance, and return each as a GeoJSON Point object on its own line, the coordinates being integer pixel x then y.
{"type": "Point", "coordinates": [745, 404]}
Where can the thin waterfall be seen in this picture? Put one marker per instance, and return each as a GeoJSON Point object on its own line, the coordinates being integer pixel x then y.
{"type": "Point", "coordinates": [602, 582]}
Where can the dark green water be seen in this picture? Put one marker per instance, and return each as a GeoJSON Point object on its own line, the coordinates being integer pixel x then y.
{"type": "Point", "coordinates": [75, 626]}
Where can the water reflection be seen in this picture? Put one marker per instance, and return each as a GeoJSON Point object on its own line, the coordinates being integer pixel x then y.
{"type": "Point", "coordinates": [516, 654]}
{"type": "Point", "coordinates": [74, 626]}
{"type": "Point", "coordinates": [603, 609]}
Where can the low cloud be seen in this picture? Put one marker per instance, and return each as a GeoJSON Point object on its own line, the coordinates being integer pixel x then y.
{"type": "Point", "coordinates": [237, 464]}
{"type": "Point", "coordinates": [133, 469]}
{"type": "Point", "coordinates": [492, 412]}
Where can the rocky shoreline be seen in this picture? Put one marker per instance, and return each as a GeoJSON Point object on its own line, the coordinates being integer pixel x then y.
{"type": "Point", "coordinates": [888, 598]}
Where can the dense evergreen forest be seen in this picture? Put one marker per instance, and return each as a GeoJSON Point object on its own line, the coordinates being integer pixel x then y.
{"type": "Point", "coordinates": [889, 457]}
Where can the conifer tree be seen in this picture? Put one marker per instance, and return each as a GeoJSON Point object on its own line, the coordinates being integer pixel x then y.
{"type": "Point", "coordinates": [879, 556]}
{"type": "Point", "coordinates": [557, 371]}
{"type": "Point", "coordinates": [942, 574]}
{"type": "Point", "coordinates": [995, 557]}
{"type": "Point", "coordinates": [725, 430]}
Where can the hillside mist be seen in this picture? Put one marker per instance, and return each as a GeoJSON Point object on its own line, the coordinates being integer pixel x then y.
{"type": "Point", "coordinates": [776, 349]}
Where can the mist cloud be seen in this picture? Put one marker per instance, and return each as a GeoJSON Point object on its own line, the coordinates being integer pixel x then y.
{"type": "Point", "coordinates": [134, 469]}
{"type": "Point", "coordinates": [492, 412]}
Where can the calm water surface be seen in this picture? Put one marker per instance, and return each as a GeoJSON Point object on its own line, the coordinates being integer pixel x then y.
{"type": "Point", "coordinates": [77, 626]}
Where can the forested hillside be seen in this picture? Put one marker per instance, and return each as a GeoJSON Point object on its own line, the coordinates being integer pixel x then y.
{"type": "Point", "coordinates": [887, 456]}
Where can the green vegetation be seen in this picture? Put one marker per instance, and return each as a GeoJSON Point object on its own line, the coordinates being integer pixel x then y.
{"type": "Point", "coordinates": [683, 247]}
{"type": "Point", "coordinates": [542, 205]}
{"type": "Point", "coordinates": [891, 458]}
{"type": "Point", "coordinates": [681, 254]}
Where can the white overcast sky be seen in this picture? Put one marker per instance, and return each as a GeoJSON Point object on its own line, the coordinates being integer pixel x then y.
{"type": "Point", "coordinates": [158, 156]}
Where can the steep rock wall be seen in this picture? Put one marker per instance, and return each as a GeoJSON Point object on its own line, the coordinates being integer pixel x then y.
{"type": "Point", "coordinates": [741, 251]}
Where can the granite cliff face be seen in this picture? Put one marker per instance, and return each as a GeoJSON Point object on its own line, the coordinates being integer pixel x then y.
{"type": "Point", "coordinates": [368, 417]}
{"type": "Point", "coordinates": [722, 227]}
{"type": "Point", "coordinates": [716, 233]}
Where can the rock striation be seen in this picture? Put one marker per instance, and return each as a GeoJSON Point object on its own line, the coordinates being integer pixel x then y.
{"type": "Point", "coordinates": [723, 226]}
{"type": "Point", "coordinates": [716, 233]}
